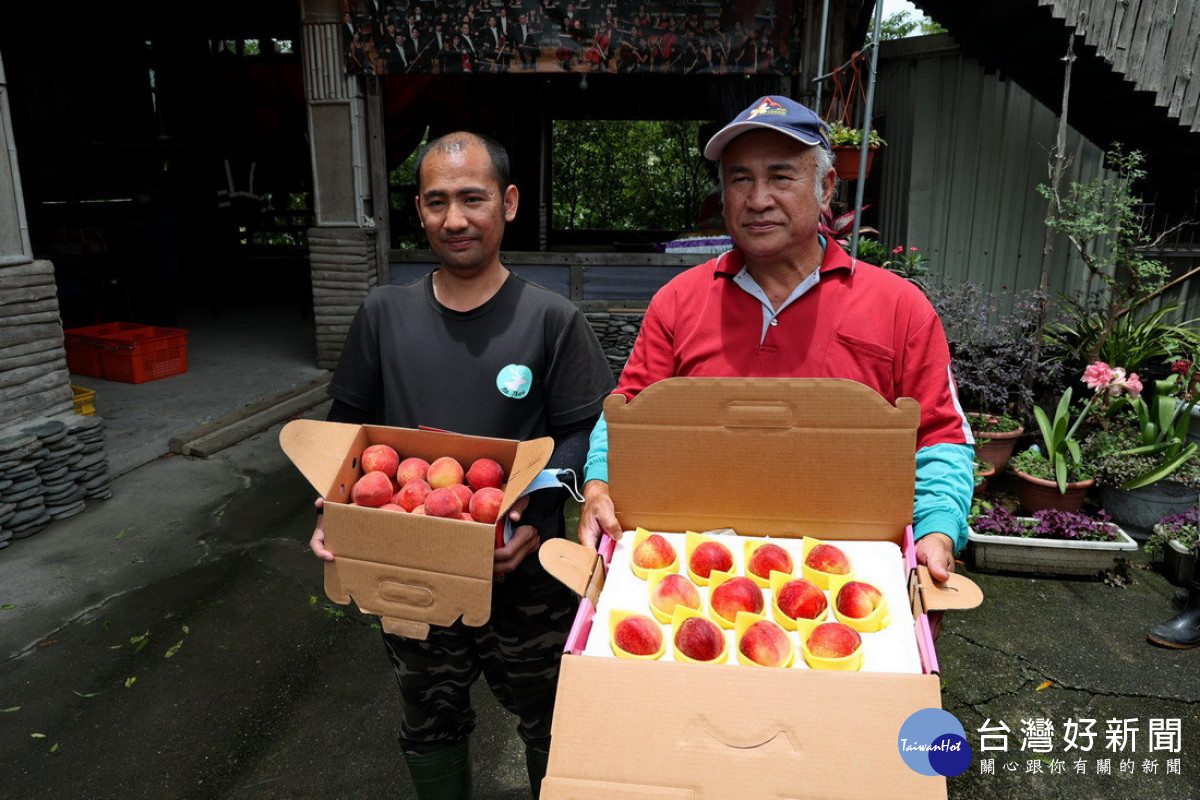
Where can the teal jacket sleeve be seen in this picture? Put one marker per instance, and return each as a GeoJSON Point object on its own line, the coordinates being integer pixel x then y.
{"type": "Point", "coordinates": [945, 487]}
{"type": "Point", "coordinates": [596, 466]}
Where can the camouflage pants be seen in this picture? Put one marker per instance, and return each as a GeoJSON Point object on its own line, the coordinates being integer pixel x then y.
{"type": "Point", "coordinates": [517, 651]}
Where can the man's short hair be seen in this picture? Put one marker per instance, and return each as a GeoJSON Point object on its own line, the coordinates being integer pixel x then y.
{"type": "Point", "coordinates": [461, 140]}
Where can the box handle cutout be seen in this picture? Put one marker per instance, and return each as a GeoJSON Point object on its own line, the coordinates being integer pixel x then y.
{"type": "Point", "coordinates": [406, 594]}
{"type": "Point", "coordinates": [776, 415]}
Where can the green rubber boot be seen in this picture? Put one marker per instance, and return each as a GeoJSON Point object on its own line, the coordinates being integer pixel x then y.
{"type": "Point", "coordinates": [535, 764]}
{"type": "Point", "coordinates": [443, 774]}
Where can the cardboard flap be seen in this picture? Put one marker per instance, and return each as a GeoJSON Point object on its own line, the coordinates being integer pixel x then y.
{"type": "Point", "coordinates": [309, 443]}
{"type": "Point", "coordinates": [823, 457]}
{"type": "Point", "coordinates": [793, 725]}
{"type": "Point", "coordinates": [529, 460]}
{"type": "Point", "coordinates": [958, 593]}
{"type": "Point", "coordinates": [576, 565]}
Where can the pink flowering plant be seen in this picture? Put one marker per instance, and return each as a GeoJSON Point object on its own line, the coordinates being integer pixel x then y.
{"type": "Point", "coordinates": [1161, 418]}
{"type": "Point", "coordinates": [1061, 453]}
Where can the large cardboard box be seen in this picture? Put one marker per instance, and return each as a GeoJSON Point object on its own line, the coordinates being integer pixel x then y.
{"type": "Point", "coordinates": [767, 457]}
{"type": "Point", "coordinates": [412, 571]}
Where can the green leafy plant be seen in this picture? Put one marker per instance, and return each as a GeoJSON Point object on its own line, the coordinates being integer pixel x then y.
{"type": "Point", "coordinates": [1156, 427]}
{"type": "Point", "coordinates": [1061, 450]}
{"type": "Point", "coordinates": [1105, 221]}
{"type": "Point", "coordinates": [842, 135]}
{"type": "Point", "coordinates": [1135, 340]}
{"type": "Point", "coordinates": [1183, 527]}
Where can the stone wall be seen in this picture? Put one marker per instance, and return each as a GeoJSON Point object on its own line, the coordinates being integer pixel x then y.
{"type": "Point", "coordinates": [616, 331]}
{"type": "Point", "coordinates": [52, 460]}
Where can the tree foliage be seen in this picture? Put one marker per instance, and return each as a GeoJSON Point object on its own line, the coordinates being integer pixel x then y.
{"type": "Point", "coordinates": [627, 174]}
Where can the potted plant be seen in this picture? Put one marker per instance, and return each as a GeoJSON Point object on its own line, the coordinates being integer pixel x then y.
{"type": "Point", "coordinates": [1056, 476]}
{"type": "Point", "coordinates": [1146, 467]}
{"type": "Point", "coordinates": [1048, 542]}
{"type": "Point", "coordinates": [984, 471]}
{"type": "Point", "coordinates": [996, 437]}
{"type": "Point", "coordinates": [846, 143]}
{"type": "Point", "coordinates": [1175, 536]}
{"type": "Point", "coordinates": [992, 348]}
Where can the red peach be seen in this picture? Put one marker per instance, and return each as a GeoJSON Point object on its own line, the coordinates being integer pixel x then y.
{"type": "Point", "coordinates": [411, 468]}
{"type": "Point", "coordinates": [653, 552]}
{"type": "Point", "coordinates": [484, 472]}
{"type": "Point", "coordinates": [392, 507]}
{"type": "Point", "coordinates": [699, 639]}
{"type": "Point", "coordinates": [858, 599]}
{"type": "Point", "coordinates": [420, 510]}
{"type": "Point", "coordinates": [380, 458]}
{"type": "Point", "coordinates": [464, 493]}
{"type": "Point", "coordinates": [709, 556]}
{"type": "Point", "coordinates": [765, 643]}
{"type": "Point", "coordinates": [833, 640]}
{"type": "Point", "coordinates": [638, 635]}
{"type": "Point", "coordinates": [443, 503]}
{"type": "Point", "coordinates": [443, 472]}
{"type": "Point", "coordinates": [767, 558]}
{"type": "Point", "coordinates": [674, 589]}
{"type": "Point", "coordinates": [828, 558]}
{"type": "Point", "coordinates": [485, 504]}
{"type": "Point", "coordinates": [413, 494]}
{"type": "Point", "coordinates": [801, 599]}
{"type": "Point", "coordinates": [373, 489]}
{"type": "Point", "coordinates": [738, 593]}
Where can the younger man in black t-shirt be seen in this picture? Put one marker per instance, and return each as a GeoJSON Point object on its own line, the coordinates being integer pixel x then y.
{"type": "Point", "coordinates": [474, 349]}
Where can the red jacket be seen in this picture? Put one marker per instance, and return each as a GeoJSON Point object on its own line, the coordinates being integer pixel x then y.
{"type": "Point", "coordinates": [858, 322]}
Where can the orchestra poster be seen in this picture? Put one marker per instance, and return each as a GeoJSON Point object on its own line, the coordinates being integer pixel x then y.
{"type": "Point", "coordinates": [393, 37]}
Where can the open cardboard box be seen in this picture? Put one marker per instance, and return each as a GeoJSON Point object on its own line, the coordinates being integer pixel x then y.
{"type": "Point", "coordinates": [412, 571]}
{"type": "Point", "coordinates": [773, 457]}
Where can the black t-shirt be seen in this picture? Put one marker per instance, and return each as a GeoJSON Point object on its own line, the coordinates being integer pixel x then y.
{"type": "Point", "coordinates": [520, 365]}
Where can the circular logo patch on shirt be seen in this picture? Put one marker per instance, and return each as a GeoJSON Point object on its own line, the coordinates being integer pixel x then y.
{"type": "Point", "coordinates": [514, 381]}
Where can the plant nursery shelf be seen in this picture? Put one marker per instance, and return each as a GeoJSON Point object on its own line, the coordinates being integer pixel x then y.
{"type": "Point", "coordinates": [1047, 556]}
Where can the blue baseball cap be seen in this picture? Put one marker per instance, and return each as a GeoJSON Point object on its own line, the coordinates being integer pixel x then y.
{"type": "Point", "coordinates": [773, 112]}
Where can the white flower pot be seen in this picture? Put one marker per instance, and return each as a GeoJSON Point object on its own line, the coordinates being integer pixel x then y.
{"type": "Point", "coordinates": [1178, 562]}
{"type": "Point", "coordinates": [1047, 556]}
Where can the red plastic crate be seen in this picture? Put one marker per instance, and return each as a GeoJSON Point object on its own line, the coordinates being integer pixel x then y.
{"type": "Point", "coordinates": [83, 346]}
{"type": "Point", "coordinates": [146, 353]}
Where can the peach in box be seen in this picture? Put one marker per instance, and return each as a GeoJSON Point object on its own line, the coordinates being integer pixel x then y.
{"type": "Point", "coordinates": [833, 640]}
{"type": "Point", "coordinates": [636, 635]}
{"type": "Point", "coordinates": [380, 458]}
{"type": "Point", "coordinates": [485, 473]}
{"type": "Point", "coordinates": [652, 551]}
{"type": "Point", "coordinates": [763, 558]}
{"type": "Point", "coordinates": [823, 561]}
{"type": "Point", "coordinates": [731, 594]}
{"type": "Point", "coordinates": [373, 489]}
{"type": "Point", "coordinates": [443, 472]}
{"type": "Point", "coordinates": [859, 604]}
{"type": "Point", "coordinates": [669, 590]}
{"type": "Point", "coordinates": [695, 637]}
{"type": "Point", "coordinates": [704, 555]}
{"type": "Point", "coordinates": [412, 494]}
{"type": "Point", "coordinates": [410, 468]}
{"type": "Point", "coordinates": [443, 503]}
{"type": "Point", "coordinates": [485, 504]}
{"type": "Point", "coordinates": [763, 642]}
{"type": "Point", "coordinates": [797, 598]}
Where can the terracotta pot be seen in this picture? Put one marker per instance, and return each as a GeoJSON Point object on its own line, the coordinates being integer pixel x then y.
{"type": "Point", "coordinates": [846, 159]}
{"type": "Point", "coordinates": [986, 475]}
{"type": "Point", "coordinates": [997, 448]}
{"type": "Point", "coordinates": [1036, 494]}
